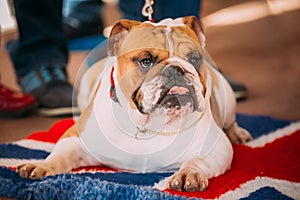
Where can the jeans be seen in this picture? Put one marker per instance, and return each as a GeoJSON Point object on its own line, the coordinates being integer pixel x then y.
{"type": "Point", "coordinates": [161, 9]}
{"type": "Point", "coordinates": [42, 40]}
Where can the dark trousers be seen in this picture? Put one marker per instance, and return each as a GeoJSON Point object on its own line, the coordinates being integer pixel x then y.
{"type": "Point", "coordinates": [41, 41]}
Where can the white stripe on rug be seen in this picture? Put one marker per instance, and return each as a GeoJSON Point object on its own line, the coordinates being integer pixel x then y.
{"type": "Point", "coordinates": [15, 162]}
{"type": "Point", "coordinates": [35, 144]}
{"type": "Point", "coordinates": [288, 188]}
{"type": "Point", "coordinates": [270, 137]}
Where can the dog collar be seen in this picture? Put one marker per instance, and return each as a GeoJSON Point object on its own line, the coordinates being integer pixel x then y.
{"type": "Point", "coordinates": [112, 91]}
{"type": "Point", "coordinates": [142, 130]}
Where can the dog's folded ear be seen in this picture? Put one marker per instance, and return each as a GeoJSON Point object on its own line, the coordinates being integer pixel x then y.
{"type": "Point", "coordinates": [123, 25]}
{"type": "Point", "coordinates": [117, 31]}
{"type": "Point", "coordinates": [195, 24]}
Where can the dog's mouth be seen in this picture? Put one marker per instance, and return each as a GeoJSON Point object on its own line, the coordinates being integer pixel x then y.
{"type": "Point", "coordinates": [177, 97]}
{"type": "Point", "coordinates": [170, 99]}
{"type": "Point", "coordinates": [169, 95]}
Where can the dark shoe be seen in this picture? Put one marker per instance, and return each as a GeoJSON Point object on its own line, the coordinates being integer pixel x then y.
{"type": "Point", "coordinates": [15, 104]}
{"type": "Point", "coordinates": [52, 91]}
{"type": "Point", "coordinates": [240, 90]}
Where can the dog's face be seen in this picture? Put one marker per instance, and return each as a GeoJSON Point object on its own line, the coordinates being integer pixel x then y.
{"type": "Point", "coordinates": [160, 65]}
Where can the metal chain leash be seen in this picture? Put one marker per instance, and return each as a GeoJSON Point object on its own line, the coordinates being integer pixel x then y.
{"type": "Point", "coordinates": [147, 9]}
{"type": "Point", "coordinates": [142, 130]}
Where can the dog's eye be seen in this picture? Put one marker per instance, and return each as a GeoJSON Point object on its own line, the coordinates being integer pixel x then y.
{"type": "Point", "coordinates": [145, 60]}
{"type": "Point", "coordinates": [195, 60]}
{"type": "Point", "coordinates": [146, 63]}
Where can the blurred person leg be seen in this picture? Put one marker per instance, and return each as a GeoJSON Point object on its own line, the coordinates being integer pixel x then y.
{"type": "Point", "coordinates": [40, 55]}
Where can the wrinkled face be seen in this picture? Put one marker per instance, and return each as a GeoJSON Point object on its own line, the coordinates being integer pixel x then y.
{"type": "Point", "coordinates": [159, 69]}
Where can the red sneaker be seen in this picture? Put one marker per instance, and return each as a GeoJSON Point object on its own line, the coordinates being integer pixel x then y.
{"type": "Point", "coordinates": [15, 104]}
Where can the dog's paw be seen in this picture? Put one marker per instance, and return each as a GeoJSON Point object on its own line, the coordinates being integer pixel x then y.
{"type": "Point", "coordinates": [188, 180]}
{"type": "Point", "coordinates": [34, 170]}
{"type": "Point", "coordinates": [238, 135]}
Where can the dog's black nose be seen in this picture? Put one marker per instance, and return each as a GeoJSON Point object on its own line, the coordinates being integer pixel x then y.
{"type": "Point", "coordinates": [173, 72]}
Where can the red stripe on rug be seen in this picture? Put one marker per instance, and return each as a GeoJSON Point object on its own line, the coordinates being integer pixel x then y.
{"type": "Point", "coordinates": [95, 169]}
{"type": "Point", "coordinates": [54, 133]}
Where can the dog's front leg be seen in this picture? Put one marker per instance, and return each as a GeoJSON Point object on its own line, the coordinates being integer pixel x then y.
{"type": "Point", "coordinates": [195, 173]}
{"type": "Point", "coordinates": [66, 155]}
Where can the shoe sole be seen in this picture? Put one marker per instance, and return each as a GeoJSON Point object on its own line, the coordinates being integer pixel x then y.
{"type": "Point", "coordinates": [58, 112]}
{"type": "Point", "coordinates": [21, 113]}
{"type": "Point", "coordinates": [240, 95]}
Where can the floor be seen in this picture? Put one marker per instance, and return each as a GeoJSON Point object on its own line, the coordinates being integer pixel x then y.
{"type": "Point", "coordinates": [261, 50]}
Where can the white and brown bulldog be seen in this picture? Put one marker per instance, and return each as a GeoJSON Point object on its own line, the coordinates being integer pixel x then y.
{"type": "Point", "coordinates": [155, 104]}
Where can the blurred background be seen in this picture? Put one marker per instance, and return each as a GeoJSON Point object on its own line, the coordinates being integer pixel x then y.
{"type": "Point", "coordinates": [254, 42]}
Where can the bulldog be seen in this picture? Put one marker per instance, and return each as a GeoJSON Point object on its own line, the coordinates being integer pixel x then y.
{"type": "Point", "coordinates": [157, 103]}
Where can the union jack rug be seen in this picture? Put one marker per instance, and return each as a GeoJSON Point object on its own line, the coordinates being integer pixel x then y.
{"type": "Point", "coordinates": [266, 168]}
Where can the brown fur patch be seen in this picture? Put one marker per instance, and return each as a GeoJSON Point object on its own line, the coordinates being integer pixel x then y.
{"type": "Point", "coordinates": [71, 132]}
